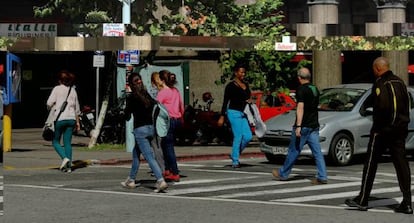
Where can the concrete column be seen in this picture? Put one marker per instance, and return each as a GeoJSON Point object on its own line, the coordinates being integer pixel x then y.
{"type": "Point", "coordinates": [323, 11]}
{"type": "Point", "coordinates": [389, 12]}
{"type": "Point", "coordinates": [327, 70]}
{"type": "Point", "coordinates": [398, 63]}
{"type": "Point", "coordinates": [392, 11]}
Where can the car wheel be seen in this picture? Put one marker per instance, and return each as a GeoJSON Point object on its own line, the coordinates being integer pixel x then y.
{"type": "Point", "coordinates": [341, 150]}
{"type": "Point", "coordinates": [276, 159]}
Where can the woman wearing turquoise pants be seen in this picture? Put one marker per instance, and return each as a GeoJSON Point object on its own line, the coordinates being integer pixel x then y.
{"type": "Point", "coordinates": [236, 95]}
{"type": "Point", "coordinates": [67, 117]}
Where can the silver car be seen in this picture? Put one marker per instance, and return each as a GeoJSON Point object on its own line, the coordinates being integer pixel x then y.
{"type": "Point", "coordinates": [345, 122]}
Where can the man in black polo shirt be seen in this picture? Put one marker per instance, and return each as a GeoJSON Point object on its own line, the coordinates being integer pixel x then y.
{"type": "Point", "coordinates": [305, 130]}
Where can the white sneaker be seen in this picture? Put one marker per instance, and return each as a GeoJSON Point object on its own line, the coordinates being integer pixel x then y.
{"type": "Point", "coordinates": [129, 183]}
{"type": "Point", "coordinates": [64, 164]}
{"type": "Point", "coordinates": [160, 186]}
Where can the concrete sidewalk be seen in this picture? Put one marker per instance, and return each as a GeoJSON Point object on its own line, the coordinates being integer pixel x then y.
{"type": "Point", "coordinates": [29, 150]}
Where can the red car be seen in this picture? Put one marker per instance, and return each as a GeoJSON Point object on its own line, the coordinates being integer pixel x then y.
{"type": "Point", "coordinates": [271, 106]}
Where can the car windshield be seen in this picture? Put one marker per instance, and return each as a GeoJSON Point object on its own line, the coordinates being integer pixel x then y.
{"type": "Point", "coordinates": [339, 99]}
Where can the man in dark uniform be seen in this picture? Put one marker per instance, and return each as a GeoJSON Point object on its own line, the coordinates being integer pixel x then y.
{"type": "Point", "coordinates": [391, 115]}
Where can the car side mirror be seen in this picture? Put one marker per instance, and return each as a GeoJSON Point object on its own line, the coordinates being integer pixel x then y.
{"type": "Point", "coordinates": [368, 111]}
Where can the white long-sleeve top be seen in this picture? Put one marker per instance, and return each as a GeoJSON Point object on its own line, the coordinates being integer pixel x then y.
{"type": "Point", "coordinates": [58, 96]}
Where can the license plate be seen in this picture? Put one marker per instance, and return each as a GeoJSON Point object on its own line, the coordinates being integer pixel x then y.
{"type": "Point", "coordinates": [279, 150]}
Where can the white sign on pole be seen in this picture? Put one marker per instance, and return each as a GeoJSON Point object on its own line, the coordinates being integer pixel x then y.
{"type": "Point", "coordinates": [113, 29]}
{"type": "Point", "coordinates": [285, 45]}
{"type": "Point", "coordinates": [98, 61]}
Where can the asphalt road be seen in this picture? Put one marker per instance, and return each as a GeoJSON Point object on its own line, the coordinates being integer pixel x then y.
{"type": "Point", "coordinates": [209, 191]}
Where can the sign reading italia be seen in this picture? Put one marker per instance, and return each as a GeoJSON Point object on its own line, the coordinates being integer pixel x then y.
{"type": "Point", "coordinates": [28, 29]}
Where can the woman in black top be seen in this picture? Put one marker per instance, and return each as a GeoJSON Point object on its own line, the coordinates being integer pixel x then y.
{"type": "Point", "coordinates": [140, 104]}
{"type": "Point", "coordinates": [236, 95]}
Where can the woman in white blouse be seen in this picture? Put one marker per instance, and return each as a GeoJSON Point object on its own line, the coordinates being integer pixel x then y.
{"type": "Point", "coordinates": [68, 119]}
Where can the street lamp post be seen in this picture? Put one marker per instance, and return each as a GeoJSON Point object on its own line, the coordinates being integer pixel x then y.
{"type": "Point", "coordinates": [126, 11]}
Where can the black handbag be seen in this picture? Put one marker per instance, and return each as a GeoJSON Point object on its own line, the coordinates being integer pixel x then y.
{"type": "Point", "coordinates": [49, 129]}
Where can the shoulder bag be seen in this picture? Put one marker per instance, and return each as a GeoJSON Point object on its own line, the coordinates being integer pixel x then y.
{"type": "Point", "coordinates": [49, 128]}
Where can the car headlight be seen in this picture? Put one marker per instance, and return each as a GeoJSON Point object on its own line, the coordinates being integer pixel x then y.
{"type": "Point", "coordinates": [321, 126]}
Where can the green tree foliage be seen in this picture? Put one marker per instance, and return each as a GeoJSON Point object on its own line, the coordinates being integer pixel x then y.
{"type": "Point", "coordinates": [86, 16]}
{"type": "Point", "coordinates": [77, 11]}
{"type": "Point", "coordinates": [356, 43]}
{"type": "Point", "coordinates": [266, 70]}
{"type": "Point", "coordinates": [6, 42]}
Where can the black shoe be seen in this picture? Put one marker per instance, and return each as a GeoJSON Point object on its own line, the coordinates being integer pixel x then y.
{"type": "Point", "coordinates": [355, 204]}
{"type": "Point", "coordinates": [317, 181]}
{"type": "Point", "coordinates": [404, 208]}
{"type": "Point", "coordinates": [236, 166]}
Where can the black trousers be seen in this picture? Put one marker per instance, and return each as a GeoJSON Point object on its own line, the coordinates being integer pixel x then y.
{"type": "Point", "coordinates": [377, 145]}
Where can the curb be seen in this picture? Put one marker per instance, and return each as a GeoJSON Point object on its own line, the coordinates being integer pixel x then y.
{"type": "Point", "coordinates": [183, 158]}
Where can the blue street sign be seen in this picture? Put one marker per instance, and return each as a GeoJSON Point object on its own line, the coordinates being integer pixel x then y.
{"type": "Point", "coordinates": [128, 57]}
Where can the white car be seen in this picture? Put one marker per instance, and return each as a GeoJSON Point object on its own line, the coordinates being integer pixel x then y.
{"type": "Point", "coordinates": [345, 122]}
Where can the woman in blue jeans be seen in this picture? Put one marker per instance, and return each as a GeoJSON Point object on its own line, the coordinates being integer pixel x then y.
{"type": "Point", "coordinates": [140, 104]}
{"type": "Point", "coordinates": [67, 120]}
{"type": "Point", "coordinates": [236, 95]}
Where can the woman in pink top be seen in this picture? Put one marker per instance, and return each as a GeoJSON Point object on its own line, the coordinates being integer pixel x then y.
{"type": "Point", "coordinates": [170, 97]}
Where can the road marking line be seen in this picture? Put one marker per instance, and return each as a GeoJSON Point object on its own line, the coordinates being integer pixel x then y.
{"type": "Point", "coordinates": [335, 195]}
{"type": "Point", "coordinates": [201, 181]}
{"type": "Point", "coordinates": [290, 190]}
{"type": "Point", "coordinates": [229, 187]}
{"type": "Point", "coordinates": [233, 171]}
{"type": "Point", "coordinates": [165, 196]}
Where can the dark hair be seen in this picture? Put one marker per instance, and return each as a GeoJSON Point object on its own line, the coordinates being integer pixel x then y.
{"type": "Point", "coordinates": [237, 66]}
{"type": "Point", "coordinates": [66, 78]}
{"type": "Point", "coordinates": [169, 78]}
{"type": "Point", "coordinates": [138, 90]}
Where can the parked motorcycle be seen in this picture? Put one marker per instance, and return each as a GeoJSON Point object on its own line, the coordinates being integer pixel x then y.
{"type": "Point", "coordinates": [113, 128]}
{"type": "Point", "coordinates": [200, 124]}
{"type": "Point", "coordinates": [87, 119]}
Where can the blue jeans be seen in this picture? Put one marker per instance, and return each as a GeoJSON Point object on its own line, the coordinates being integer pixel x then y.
{"type": "Point", "coordinates": [242, 134]}
{"type": "Point", "coordinates": [167, 145]}
{"type": "Point", "coordinates": [64, 128]}
{"type": "Point", "coordinates": [309, 136]}
{"type": "Point", "coordinates": [143, 136]}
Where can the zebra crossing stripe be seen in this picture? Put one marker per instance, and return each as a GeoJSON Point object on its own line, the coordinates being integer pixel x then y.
{"type": "Point", "coordinates": [290, 190]}
{"type": "Point", "coordinates": [229, 187]}
{"type": "Point", "coordinates": [202, 181]}
{"type": "Point", "coordinates": [335, 195]}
